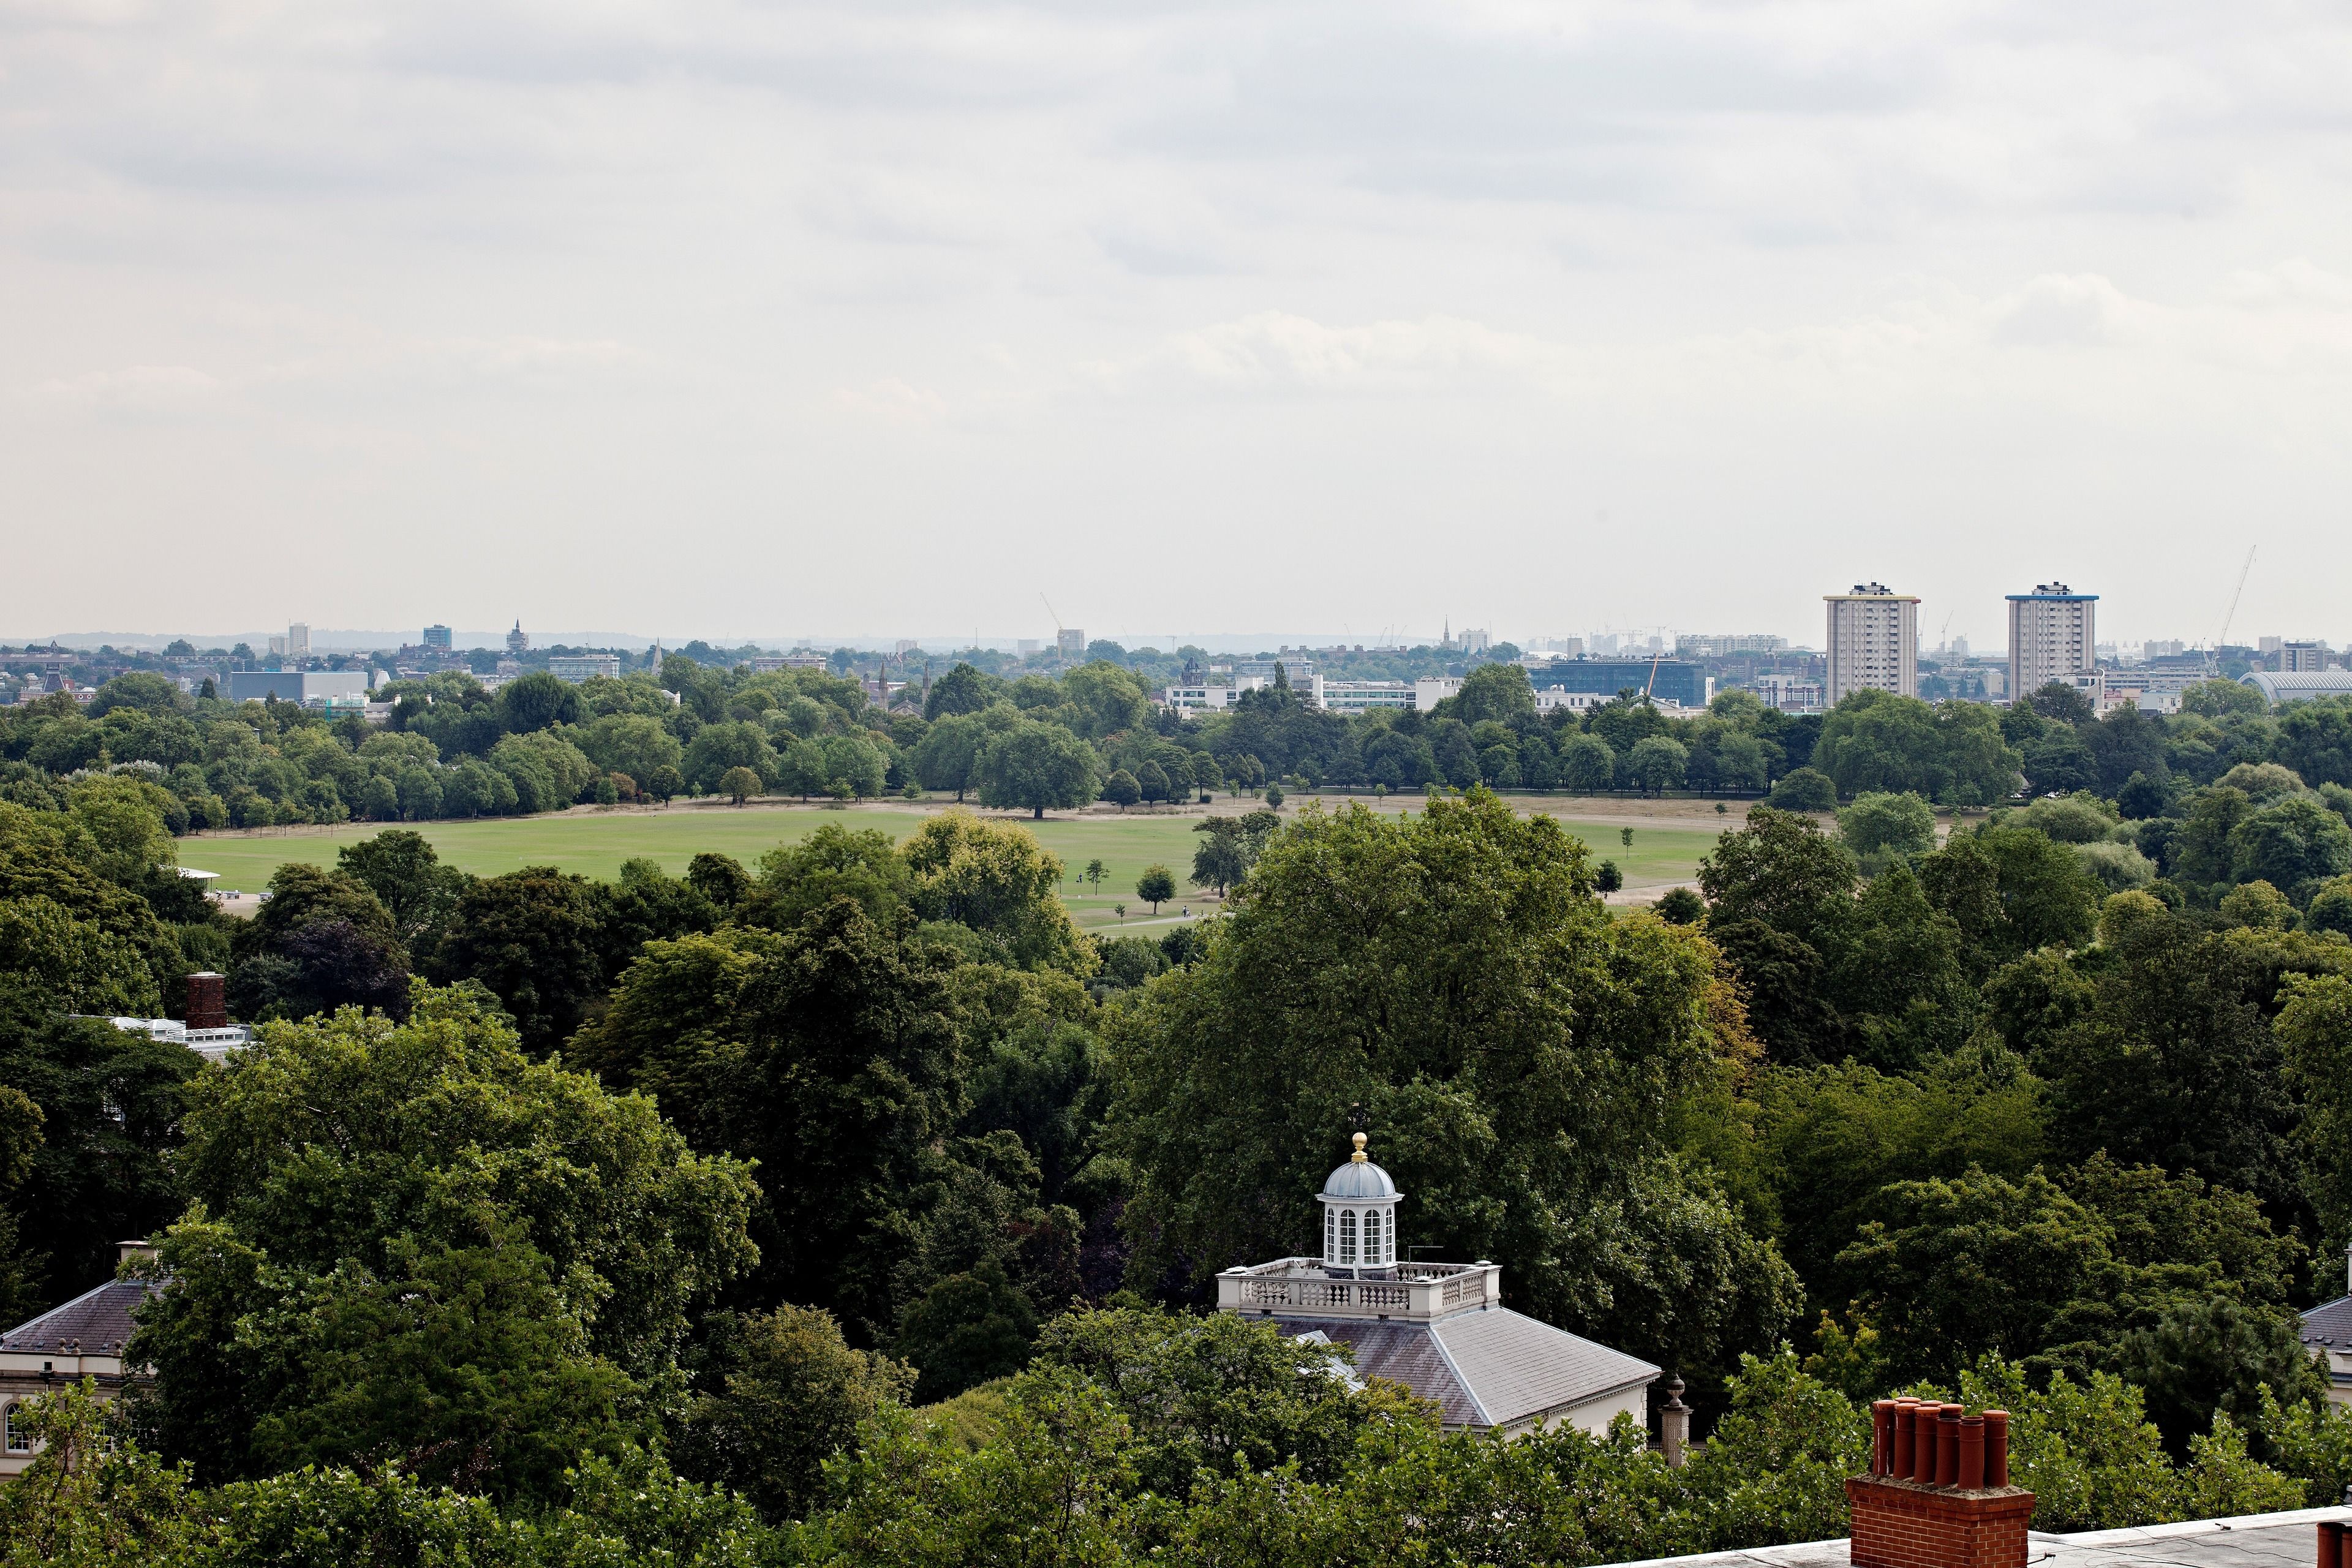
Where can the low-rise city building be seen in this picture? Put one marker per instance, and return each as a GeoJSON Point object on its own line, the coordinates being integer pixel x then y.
{"type": "Point", "coordinates": [576, 668]}
{"type": "Point", "coordinates": [1790, 693]}
{"type": "Point", "coordinates": [1346, 697]}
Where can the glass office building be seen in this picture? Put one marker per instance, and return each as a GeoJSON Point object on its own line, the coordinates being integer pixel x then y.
{"type": "Point", "coordinates": [1678, 680]}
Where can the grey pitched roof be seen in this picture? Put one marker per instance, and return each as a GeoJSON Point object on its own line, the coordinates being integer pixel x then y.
{"type": "Point", "coordinates": [2330, 1325]}
{"type": "Point", "coordinates": [97, 1321]}
{"type": "Point", "coordinates": [1484, 1369]}
{"type": "Point", "coordinates": [1520, 1367]}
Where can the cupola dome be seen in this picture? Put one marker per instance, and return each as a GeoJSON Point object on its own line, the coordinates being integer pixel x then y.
{"type": "Point", "coordinates": [1360, 1204]}
{"type": "Point", "coordinates": [1359, 1178]}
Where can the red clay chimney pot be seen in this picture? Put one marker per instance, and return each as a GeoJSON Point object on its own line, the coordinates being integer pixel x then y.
{"type": "Point", "coordinates": [1947, 1446]}
{"type": "Point", "coordinates": [1972, 1454]}
{"type": "Point", "coordinates": [1996, 1448]}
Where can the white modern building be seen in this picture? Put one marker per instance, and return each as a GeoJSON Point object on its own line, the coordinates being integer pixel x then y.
{"type": "Point", "coordinates": [1440, 1329]}
{"type": "Point", "coordinates": [1211, 696]}
{"type": "Point", "coordinates": [577, 667]}
{"type": "Point", "coordinates": [1790, 693]}
{"type": "Point", "coordinates": [2276, 688]}
{"type": "Point", "coordinates": [1873, 641]}
{"type": "Point", "coordinates": [2053, 636]}
{"type": "Point", "coordinates": [1345, 697]}
{"type": "Point", "coordinates": [1432, 689]}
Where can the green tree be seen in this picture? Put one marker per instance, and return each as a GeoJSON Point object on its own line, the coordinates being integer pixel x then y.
{"type": "Point", "coordinates": [739, 785]}
{"type": "Point", "coordinates": [405, 872]}
{"type": "Point", "coordinates": [536, 938]}
{"type": "Point", "coordinates": [994, 878]}
{"type": "Point", "coordinates": [2293, 844]}
{"type": "Point", "coordinates": [1878, 740]}
{"type": "Point", "coordinates": [1879, 824]}
{"type": "Point", "coordinates": [637, 744]}
{"type": "Point", "coordinates": [1586, 762]}
{"type": "Point", "coordinates": [1498, 692]}
{"type": "Point", "coordinates": [831, 1055]}
{"type": "Point", "coordinates": [1803, 789]}
{"type": "Point", "coordinates": [1096, 870]}
{"type": "Point", "coordinates": [1953, 1267]}
{"type": "Point", "coordinates": [140, 692]}
{"type": "Point", "coordinates": [1102, 699]}
{"type": "Point", "coordinates": [2314, 1028]}
{"type": "Point", "coordinates": [948, 750]}
{"type": "Point", "coordinates": [1656, 765]}
{"type": "Point", "coordinates": [797, 879]}
{"type": "Point", "coordinates": [536, 702]}
{"type": "Point", "coordinates": [1782, 870]}
{"type": "Point", "coordinates": [1681, 906]}
{"type": "Point", "coordinates": [778, 1394]}
{"type": "Point", "coordinates": [1152, 781]}
{"type": "Point", "coordinates": [971, 1327]}
{"type": "Point", "coordinates": [2222, 699]}
{"type": "Point", "coordinates": [1222, 858]}
{"type": "Point", "coordinates": [1121, 789]}
{"type": "Point", "coordinates": [962, 690]}
{"type": "Point", "coordinates": [2173, 1063]}
{"type": "Point", "coordinates": [718, 747]}
{"type": "Point", "coordinates": [1218, 1395]}
{"type": "Point", "coordinates": [1155, 887]}
{"type": "Point", "coordinates": [1037, 767]}
{"type": "Point", "coordinates": [476, 1263]}
{"type": "Point", "coordinates": [1607, 877]}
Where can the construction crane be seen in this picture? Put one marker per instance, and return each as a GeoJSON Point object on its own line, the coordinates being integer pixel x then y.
{"type": "Point", "coordinates": [1058, 627]}
{"type": "Point", "coordinates": [2235, 595]}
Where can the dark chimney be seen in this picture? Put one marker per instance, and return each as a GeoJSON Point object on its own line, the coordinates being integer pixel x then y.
{"type": "Point", "coordinates": [207, 1001]}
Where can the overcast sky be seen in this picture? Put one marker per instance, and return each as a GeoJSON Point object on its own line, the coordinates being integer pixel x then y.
{"type": "Point", "coordinates": [883, 318]}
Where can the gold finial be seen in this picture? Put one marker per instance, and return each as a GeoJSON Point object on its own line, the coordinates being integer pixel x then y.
{"type": "Point", "coordinates": [1358, 1157]}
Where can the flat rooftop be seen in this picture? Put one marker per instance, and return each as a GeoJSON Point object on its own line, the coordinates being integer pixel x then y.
{"type": "Point", "coordinates": [2249, 1540]}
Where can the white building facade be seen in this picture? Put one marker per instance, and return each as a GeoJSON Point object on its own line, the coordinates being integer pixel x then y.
{"type": "Point", "coordinates": [1873, 641]}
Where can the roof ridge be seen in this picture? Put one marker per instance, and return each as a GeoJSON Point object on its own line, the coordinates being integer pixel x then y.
{"type": "Point", "coordinates": [1445, 1354]}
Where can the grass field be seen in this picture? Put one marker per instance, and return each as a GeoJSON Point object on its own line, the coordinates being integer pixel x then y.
{"type": "Point", "coordinates": [594, 843]}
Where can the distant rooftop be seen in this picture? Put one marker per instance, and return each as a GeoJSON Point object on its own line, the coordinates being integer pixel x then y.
{"type": "Point", "coordinates": [2249, 1541]}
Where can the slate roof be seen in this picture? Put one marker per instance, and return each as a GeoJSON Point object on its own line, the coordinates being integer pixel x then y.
{"type": "Point", "coordinates": [1488, 1368]}
{"type": "Point", "coordinates": [2330, 1325]}
{"type": "Point", "coordinates": [98, 1321]}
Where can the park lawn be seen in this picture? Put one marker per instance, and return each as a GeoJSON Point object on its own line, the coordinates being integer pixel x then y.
{"type": "Point", "coordinates": [594, 843]}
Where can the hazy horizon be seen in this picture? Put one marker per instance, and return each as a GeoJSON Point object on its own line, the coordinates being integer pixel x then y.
{"type": "Point", "coordinates": [1542, 318]}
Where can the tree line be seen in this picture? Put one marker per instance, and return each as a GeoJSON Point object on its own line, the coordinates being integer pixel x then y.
{"type": "Point", "coordinates": [854, 1205]}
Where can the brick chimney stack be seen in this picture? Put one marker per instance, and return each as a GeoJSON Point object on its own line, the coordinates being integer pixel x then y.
{"type": "Point", "coordinates": [207, 1001]}
{"type": "Point", "coordinates": [1937, 1495]}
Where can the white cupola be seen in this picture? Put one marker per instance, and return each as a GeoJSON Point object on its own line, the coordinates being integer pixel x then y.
{"type": "Point", "coordinates": [1360, 1204]}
